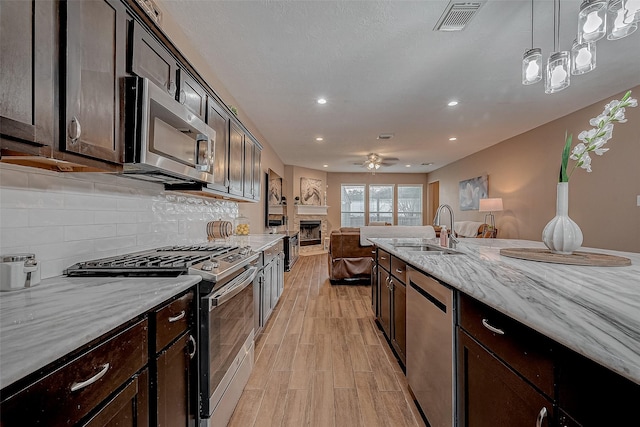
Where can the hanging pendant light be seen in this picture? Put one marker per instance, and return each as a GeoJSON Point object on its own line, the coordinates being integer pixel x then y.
{"type": "Point", "coordinates": [617, 28]}
{"type": "Point", "coordinates": [558, 71]}
{"type": "Point", "coordinates": [592, 20]}
{"type": "Point", "coordinates": [583, 57]}
{"type": "Point", "coordinates": [632, 11]}
{"type": "Point", "coordinates": [532, 61]}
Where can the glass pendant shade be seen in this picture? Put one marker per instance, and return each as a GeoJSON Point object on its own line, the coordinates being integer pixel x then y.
{"type": "Point", "coordinates": [617, 27]}
{"type": "Point", "coordinates": [558, 72]}
{"type": "Point", "coordinates": [583, 57]}
{"type": "Point", "coordinates": [532, 66]}
{"type": "Point", "coordinates": [592, 20]}
{"type": "Point", "coordinates": [632, 11]}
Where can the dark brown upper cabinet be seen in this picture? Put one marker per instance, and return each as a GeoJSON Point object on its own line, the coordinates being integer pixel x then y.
{"type": "Point", "coordinates": [28, 50]}
{"type": "Point", "coordinates": [248, 167]}
{"type": "Point", "coordinates": [257, 172]}
{"type": "Point", "coordinates": [192, 95]}
{"type": "Point", "coordinates": [95, 52]}
{"type": "Point", "coordinates": [236, 160]}
{"type": "Point", "coordinates": [150, 59]}
{"type": "Point", "coordinates": [219, 121]}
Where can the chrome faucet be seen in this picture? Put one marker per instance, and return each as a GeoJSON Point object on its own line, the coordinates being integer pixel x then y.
{"type": "Point", "coordinates": [436, 221]}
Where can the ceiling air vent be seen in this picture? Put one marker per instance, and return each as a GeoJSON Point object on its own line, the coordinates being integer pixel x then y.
{"type": "Point", "coordinates": [386, 136]}
{"type": "Point", "coordinates": [457, 15]}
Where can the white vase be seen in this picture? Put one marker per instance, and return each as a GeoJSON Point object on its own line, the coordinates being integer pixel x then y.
{"type": "Point", "coordinates": [562, 235]}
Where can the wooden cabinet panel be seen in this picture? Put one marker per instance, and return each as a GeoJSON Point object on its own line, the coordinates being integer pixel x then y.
{"type": "Point", "coordinates": [399, 269]}
{"type": "Point", "coordinates": [150, 59]}
{"type": "Point", "coordinates": [525, 350]}
{"type": "Point", "coordinates": [128, 408]}
{"type": "Point", "coordinates": [490, 394]}
{"type": "Point", "coordinates": [95, 64]}
{"type": "Point", "coordinates": [71, 392]}
{"type": "Point", "coordinates": [28, 48]}
{"type": "Point", "coordinates": [257, 172]}
{"type": "Point", "coordinates": [173, 319]}
{"type": "Point", "coordinates": [384, 259]}
{"type": "Point", "coordinates": [192, 95]}
{"type": "Point", "coordinates": [385, 302]}
{"type": "Point", "coordinates": [248, 168]}
{"type": "Point", "coordinates": [593, 395]}
{"type": "Point", "coordinates": [236, 160]}
{"type": "Point", "coordinates": [399, 340]}
{"type": "Point", "coordinates": [219, 121]}
{"type": "Point", "coordinates": [174, 385]}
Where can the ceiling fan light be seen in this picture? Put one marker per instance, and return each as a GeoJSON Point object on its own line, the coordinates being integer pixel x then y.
{"type": "Point", "coordinates": [532, 66]}
{"type": "Point", "coordinates": [592, 20]}
{"type": "Point", "coordinates": [558, 75]}
{"type": "Point", "coordinates": [583, 57]}
{"type": "Point", "coordinates": [616, 15]}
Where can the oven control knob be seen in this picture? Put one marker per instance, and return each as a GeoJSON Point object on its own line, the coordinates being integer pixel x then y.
{"type": "Point", "coordinates": [209, 265]}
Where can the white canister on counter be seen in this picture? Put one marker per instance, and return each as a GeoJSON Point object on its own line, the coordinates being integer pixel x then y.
{"type": "Point", "coordinates": [18, 271]}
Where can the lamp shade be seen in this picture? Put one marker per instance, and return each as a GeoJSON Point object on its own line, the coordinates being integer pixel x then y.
{"type": "Point", "coordinates": [491, 205]}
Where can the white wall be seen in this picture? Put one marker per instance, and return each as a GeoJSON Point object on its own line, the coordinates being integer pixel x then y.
{"type": "Point", "coordinates": [65, 218]}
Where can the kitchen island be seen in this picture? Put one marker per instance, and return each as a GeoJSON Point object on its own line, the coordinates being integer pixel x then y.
{"type": "Point", "coordinates": [594, 311]}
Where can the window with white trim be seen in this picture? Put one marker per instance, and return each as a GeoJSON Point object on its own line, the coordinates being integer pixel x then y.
{"type": "Point", "coordinates": [409, 204]}
{"type": "Point", "coordinates": [352, 204]}
{"type": "Point", "coordinates": [381, 203]}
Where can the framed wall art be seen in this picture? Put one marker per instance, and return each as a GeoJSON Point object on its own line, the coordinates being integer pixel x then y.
{"type": "Point", "coordinates": [310, 191]}
{"type": "Point", "coordinates": [471, 191]}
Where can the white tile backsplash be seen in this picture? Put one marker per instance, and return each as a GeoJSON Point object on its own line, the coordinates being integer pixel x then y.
{"type": "Point", "coordinates": [65, 218]}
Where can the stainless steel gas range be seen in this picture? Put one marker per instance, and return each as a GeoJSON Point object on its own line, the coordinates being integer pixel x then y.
{"type": "Point", "coordinates": [226, 312]}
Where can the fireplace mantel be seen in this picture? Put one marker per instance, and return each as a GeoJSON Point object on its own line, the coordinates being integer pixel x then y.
{"type": "Point", "coordinates": [311, 210]}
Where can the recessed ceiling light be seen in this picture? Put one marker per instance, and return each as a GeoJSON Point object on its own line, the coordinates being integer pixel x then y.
{"type": "Point", "coordinates": [453, 138]}
{"type": "Point", "coordinates": [322, 101]}
{"type": "Point", "coordinates": [407, 166]}
{"type": "Point", "coordinates": [452, 103]}
{"type": "Point", "coordinates": [319, 138]}
{"type": "Point", "coordinates": [325, 166]}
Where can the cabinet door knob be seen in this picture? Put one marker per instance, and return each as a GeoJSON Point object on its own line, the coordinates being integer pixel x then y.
{"type": "Point", "coordinates": [171, 88]}
{"type": "Point", "coordinates": [74, 130]}
{"type": "Point", "coordinates": [192, 341]}
{"type": "Point", "coordinates": [541, 416]}
{"type": "Point", "coordinates": [493, 329]}
{"type": "Point", "coordinates": [178, 317]}
{"type": "Point", "coordinates": [82, 384]}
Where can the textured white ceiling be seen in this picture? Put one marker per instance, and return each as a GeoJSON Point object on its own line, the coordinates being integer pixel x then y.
{"type": "Point", "coordinates": [383, 69]}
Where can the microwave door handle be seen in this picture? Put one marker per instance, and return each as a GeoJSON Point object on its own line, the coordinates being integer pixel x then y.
{"type": "Point", "coordinates": [216, 301]}
{"type": "Point", "coordinates": [200, 139]}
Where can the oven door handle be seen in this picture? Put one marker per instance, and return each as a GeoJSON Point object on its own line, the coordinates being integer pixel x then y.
{"type": "Point", "coordinates": [232, 289]}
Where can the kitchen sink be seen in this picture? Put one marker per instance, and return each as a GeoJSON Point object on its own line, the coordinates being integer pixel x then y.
{"type": "Point", "coordinates": [428, 249]}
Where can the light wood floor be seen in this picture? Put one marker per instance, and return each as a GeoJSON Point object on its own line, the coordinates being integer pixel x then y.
{"type": "Point", "coordinates": [321, 361]}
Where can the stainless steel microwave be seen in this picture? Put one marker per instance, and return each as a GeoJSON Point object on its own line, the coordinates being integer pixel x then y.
{"type": "Point", "coordinates": [164, 141]}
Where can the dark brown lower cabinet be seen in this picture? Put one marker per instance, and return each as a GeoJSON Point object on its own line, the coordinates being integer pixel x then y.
{"type": "Point", "coordinates": [385, 301]}
{"type": "Point", "coordinates": [490, 394]}
{"type": "Point", "coordinates": [129, 408]}
{"type": "Point", "coordinates": [173, 397]}
{"type": "Point", "coordinates": [399, 340]}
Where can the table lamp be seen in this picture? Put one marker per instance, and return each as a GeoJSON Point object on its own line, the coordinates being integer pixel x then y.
{"type": "Point", "coordinates": [491, 205]}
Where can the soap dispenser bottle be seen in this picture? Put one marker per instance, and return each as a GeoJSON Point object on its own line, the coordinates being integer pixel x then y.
{"type": "Point", "coordinates": [443, 236]}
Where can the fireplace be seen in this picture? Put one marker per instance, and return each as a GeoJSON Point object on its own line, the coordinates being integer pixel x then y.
{"type": "Point", "coordinates": [310, 232]}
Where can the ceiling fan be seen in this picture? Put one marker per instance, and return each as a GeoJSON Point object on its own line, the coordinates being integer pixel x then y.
{"type": "Point", "coordinates": [374, 161]}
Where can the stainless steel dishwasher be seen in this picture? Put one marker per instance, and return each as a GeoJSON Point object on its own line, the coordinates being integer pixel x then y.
{"type": "Point", "coordinates": [431, 347]}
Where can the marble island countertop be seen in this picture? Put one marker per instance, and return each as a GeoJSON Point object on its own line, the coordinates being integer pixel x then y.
{"type": "Point", "coordinates": [594, 311]}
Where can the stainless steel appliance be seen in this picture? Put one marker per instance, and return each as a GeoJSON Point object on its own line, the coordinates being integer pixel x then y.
{"type": "Point", "coordinates": [226, 313]}
{"type": "Point", "coordinates": [164, 141]}
{"type": "Point", "coordinates": [18, 271]}
{"type": "Point", "coordinates": [430, 351]}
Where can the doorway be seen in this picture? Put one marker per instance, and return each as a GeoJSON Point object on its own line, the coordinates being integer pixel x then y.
{"type": "Point", "coordinates": [433, 192]}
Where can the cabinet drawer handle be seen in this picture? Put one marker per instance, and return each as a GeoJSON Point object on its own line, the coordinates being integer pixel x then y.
{"type": "Point", "coordinates": [398, 270]}
{"type": "Point", "coordinates": [93, 379]}
{"type": "Point", "coordinates": [541, 416]}
{"type": "Point", "coordinates": [493, 329]}
{"type": "Point", "coordinates": [192, 341]}
{"type": "Point", "coordinates": [383, 257]}
{"type": "Point", "coordinates": [176, 318]}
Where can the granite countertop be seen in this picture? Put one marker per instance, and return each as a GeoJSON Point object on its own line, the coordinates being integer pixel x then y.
{"type": "Point", "coordinates": [258, 242]}
{"type": "Point", "coordinates": [42, 324]}
{"type": "Point", "coordinates": [594, 311]}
